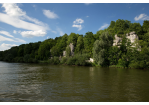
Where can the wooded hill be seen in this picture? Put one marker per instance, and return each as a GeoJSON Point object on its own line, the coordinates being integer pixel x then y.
{"type": "Point", "coordinates": [98, 46]}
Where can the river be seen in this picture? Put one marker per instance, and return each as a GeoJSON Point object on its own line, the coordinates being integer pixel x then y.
{"type": "Point", "coordinates": [59, 83]}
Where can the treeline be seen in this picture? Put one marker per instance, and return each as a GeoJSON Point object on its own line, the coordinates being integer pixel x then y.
{"type": "Point", "coordinates": [98, 46]}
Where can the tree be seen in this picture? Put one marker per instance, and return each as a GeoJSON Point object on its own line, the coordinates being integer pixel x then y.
{"type": "Point", "coordinates": [112, 24]}
{"type": "Point", "coordinates": [27, 49]}
{"type": "Point", "coordinates": [114, 55]}
{"type": "Point", "coordinates": [21, 50]}
{"type": "Point", "coordinates": [44, 49]}
{"type": "Point", "coordinates": [60, 46]}
{"type": "Point", "coordinates": [88, 43]}
{"type": "Point", "coordinates": [100, 49]}
{"type": "Point", "coordinates": [121, 26]}
{"type": "Point", "coordinates": [68, 51]}
{"type": "Point", "coordinates": [80, 44]}
{"type": "Point", "coordinates": [145, 25]}
{"type": "Point", "coordinates": [137, 28]}
{"type": "Point", "coordinates": [72, 38]}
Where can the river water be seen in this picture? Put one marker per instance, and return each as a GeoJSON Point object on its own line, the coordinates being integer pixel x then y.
{"type": "Point", "coordinates": [58, 83]}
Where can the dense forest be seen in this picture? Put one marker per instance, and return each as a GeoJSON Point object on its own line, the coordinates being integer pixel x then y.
{"type": "Point", "coordinates": [98, 46]}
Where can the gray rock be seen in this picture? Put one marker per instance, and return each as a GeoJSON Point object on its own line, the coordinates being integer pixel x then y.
{"type": "Point", "coordinates": [133, 36]}
{"type": "Point", "coordinates": [71, 48]}
{"type": "Point", "coordinates": [133, 32]}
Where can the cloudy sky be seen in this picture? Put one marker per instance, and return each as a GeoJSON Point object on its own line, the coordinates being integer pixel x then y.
{"type": "Point", "coordinates": [22, 23]}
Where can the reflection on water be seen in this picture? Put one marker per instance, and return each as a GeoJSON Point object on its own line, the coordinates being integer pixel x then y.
{"type": "Point", "coordinates": [40, 82]}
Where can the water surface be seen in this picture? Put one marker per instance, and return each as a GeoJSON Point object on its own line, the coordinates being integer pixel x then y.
{"type": "Point", "coordinates": [58, 83]}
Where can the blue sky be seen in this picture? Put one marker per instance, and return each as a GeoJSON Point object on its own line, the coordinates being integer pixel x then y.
{"type": "Point", "coordinates": [32, 22]}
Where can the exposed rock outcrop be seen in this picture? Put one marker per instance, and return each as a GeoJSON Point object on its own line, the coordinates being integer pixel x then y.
{"type": "Point", "coordinates": [117, 40]}
{"type": "Point", "coordinates": [71, 49]}
{"type": "Point", "coordinates": [132, 36]}
{"type": "Point", "coordinates": [64, 53]}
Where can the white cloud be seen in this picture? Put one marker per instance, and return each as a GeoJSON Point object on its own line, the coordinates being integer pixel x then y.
{"type": "Point", "coordinates": [19, 40]}
{"type": "Point", "coordinates": [104, 26]}
{"type": "Point", "coordinates": [87, 16]}
{"type": "Point", "coordinates": [15, 16]}
{"type": "Point", "coordinates": [30, 34]}
{"type": "Point", "coordinates": [77, 23]}
{"type": "Point", "coordinates": [12, 9]}
{"type": "Point", "coordinates": [6, 46]}
{"type": "Point", "coordinates": [2, 38]}
{"type": "Point", "coordinates": [142, 17]}
{"type": "Point", "coordinates": [5, 33]}
{"type": "Point", "coordinates": [50, 14]}
{"type": "Point", "coordinates": [19, 23]}
{"type": "Point", "coordinates": [78, 26]}
{"type": "Point", "coordinates": [14, 31]}
{"type": "Point", "coordinates": [60, 31]}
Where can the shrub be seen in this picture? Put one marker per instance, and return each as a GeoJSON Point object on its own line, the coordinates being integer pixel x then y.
{"type": "Point", "coordinates": [71, 61]}
{"type": "Point", "coordinates": [63, 60]}
{"type": "Point", "coordinates": [56, 60]}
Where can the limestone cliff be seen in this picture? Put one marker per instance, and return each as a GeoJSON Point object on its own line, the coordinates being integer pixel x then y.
{"type": "Point", "coordinates": [71, 50]}
{"type": "Point", "coordinates": [132, 36]}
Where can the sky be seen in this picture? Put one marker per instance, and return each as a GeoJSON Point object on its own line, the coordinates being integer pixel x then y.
{"type": "Point", "coordinates": [22, 23]}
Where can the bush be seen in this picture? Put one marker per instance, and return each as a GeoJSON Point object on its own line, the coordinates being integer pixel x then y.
{"type": "Point", "coordinates": [56, 60]}
{"type": "Point", "coordinates": [78, 59]}
{"type": "Point", "coordinates": [63, 60]}
{"type": "Point", "coordinates": [137, 64]}
{"type": "Point", "coordinates": [71, 61]}
{"type": "Point", "coordinates": [26, 58]}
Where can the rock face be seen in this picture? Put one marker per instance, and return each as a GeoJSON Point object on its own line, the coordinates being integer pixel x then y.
{"type": "Point", "coordinates": [64, 53]}
{"type": "Point", "coordinates": [132, 36]}
{"type": "Point", "coordinates": [90, 60]}
{"type": "Point", "coordinates": [117, 40]}
{"type": "Point", "coordinates": [71, 49]}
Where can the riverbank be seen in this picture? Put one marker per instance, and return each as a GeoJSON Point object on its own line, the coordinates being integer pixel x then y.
{"type": "Point", "coordinates": [76, 61]}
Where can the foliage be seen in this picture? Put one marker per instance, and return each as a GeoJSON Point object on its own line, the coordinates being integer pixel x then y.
{"type": "Point", "coordinates": [97, 46]}
{"type": "Point", "coordinates": [63, 60]}
{"type": "Point", "coordinates": [72, 38]}
{"type": "Point", "coordinates": [68, 51]}
{"type": "Point", "coordinates": [44, 49]}
{"type": "Point", "coordinates": [100, 49]}
{"type": "Point", "coordinates": [78, 59]}
{"type": "Point", "coordinates": [80, 45]}
{"type": "Point", "coordinates": [88, 43]}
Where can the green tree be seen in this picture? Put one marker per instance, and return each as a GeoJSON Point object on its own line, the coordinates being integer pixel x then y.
{"type": "Point", "coordinates": [72, 38]}
{"type": "Point", "coordinates": [68, 51]}
{"type": "Point", "coordinates": [27, 49]}
{"type": "Point", "coordinates": [88, 43]}
{"type": "Point", "coordinates": [80, 44]}
{"type": "Point", "coordinates": [100, 49]}
{"type": "Point", "coordinates": [60, 46]}
{"type": "Point", "coordinates": [145, 26]}
{"type": "Point", "coordinates": [137, 28]}
{"type": "Point", "coordinates": [114, 55]}
{"type": "Point", "coordinates": [44, 49]}
{"type": "Point", "coordinates": [121, 26]}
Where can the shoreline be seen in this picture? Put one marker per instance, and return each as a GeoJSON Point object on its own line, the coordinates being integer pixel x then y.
{"type": "Point", "coordinates": [90, 65]}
